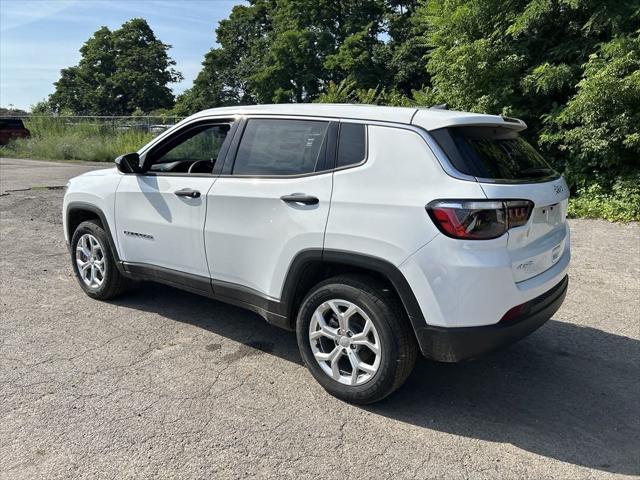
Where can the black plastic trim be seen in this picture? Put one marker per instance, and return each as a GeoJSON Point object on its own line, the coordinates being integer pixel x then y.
{"type": "Point", "coordinates": [302, 261]}
{"type": "Point", "coordinates": [329, 161]}
{"type": "Point", "coordinates": [187, 281]}
{"type": "Point", "coordinates": [269, 308]}
{"type": "Point", "coordinates": [88, 207]}
{"type": "Point", "coordinates": [231, 293]}
{"type": "Point", "coordinates": [280, 312]}
{"type": "Point", "coordinates": [224, 168]}
{"type": "Point", "coordinates": [457, 344]}
{"type": "Point", "coordinates": [387, 270]}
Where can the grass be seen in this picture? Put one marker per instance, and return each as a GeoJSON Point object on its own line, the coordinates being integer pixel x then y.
{"type": "Point", "coordinates": [59, 139]}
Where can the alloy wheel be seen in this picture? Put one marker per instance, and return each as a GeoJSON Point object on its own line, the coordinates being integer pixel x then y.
{"type": "Point", "coordinates": [90, 260]}
{"type": "Point", "coordinates": [345, 342]}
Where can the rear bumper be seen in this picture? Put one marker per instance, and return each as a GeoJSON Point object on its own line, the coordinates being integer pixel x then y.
{"type": "Point", "coordinates": [456, 344]}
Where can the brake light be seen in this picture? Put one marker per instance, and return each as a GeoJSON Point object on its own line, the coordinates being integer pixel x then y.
{"type": "Point", "coordinates": [479, 219]}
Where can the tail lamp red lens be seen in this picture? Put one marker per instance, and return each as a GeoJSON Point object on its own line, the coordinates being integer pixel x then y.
{"type": "Point", "coordinates": [479, 219]}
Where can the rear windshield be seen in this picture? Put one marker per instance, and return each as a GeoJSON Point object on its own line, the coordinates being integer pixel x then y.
{"type": "Point", "coordinates": [495, 153]}
{"type": "Point", "coordinates": [11, 123]}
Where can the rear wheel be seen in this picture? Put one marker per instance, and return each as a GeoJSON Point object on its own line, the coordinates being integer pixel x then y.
{"type": "Point", "coordinates": [94, 263]}
{"type": "Point", "coordinates": [355, 338]}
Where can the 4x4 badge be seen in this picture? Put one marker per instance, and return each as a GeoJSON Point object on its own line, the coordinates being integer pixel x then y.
{"type": "Point", "coordinates": [558, 189]}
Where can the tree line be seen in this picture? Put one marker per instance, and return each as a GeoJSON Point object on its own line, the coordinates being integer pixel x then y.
{"type": "Point", "coordinates": [569, 68]}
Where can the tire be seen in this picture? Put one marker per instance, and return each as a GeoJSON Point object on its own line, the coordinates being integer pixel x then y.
{"type": "Point", "coordinates": [392, 335]}
{"type": "Point", "coordinates": [111, 281]}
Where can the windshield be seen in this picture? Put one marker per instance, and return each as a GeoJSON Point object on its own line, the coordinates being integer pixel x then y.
{"type": "Point", "coordinates": [495, 153]}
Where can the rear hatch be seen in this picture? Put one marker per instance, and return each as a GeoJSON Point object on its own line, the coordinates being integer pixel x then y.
{"type": "Point", "coordinates": [507, 167]}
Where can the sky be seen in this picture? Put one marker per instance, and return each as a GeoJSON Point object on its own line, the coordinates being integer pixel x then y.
{"type": "Point", "coordinates": [40, 37]}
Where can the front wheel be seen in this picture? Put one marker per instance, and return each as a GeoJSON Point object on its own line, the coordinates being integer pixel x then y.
{"type": "Point", "coordinates": [355, 338]}
{"type": "Point", "coordinates": [94, 263]}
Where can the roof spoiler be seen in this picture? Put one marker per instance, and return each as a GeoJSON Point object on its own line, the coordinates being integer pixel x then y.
{"type": "Point", "coordinates": [510, 119]}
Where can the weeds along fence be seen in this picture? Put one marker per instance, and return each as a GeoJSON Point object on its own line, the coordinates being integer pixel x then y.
{"type": "Point", "coordinates": [46, 124]}
{"type": "Point", "coordinates": [95, 138]}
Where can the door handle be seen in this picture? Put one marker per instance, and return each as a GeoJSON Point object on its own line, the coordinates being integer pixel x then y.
{"type": "Point", "coordinates": [187, 192]}
{"type": "Point", "coordinates": [300, 198]}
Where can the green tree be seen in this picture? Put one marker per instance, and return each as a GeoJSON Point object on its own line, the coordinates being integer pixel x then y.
{"type": "Point", "coordinates": [599, 126]}
{"type": "Point", "coordinates": [227, 69]}
{"type": "Point", "coordinates": [289, 51]}
{"type": "Point", "coordinates": [522, 58]}
{"type": "Point", "coordinates": [291, 69]}
{"type": "Point", "coordinates": [407, 45]}
{"type": "Point", "coordinates": [118, 72]}
{"type": "Point", "coordinates": [41, 108]}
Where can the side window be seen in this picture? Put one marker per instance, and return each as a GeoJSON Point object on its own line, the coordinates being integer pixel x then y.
{"type": "Point", "coordinates": [280, 147]}
{"type": "Point", "coordinates": [194, 150]}
{"type": "Point", "coordinates": [351, 144]}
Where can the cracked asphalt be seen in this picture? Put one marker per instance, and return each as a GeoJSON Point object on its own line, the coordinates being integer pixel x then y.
{"type": "Point", "coordinates": [165, 384]}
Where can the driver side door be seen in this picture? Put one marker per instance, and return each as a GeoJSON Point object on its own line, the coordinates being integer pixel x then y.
{"type": "Point", "coordinates": [160, 214]}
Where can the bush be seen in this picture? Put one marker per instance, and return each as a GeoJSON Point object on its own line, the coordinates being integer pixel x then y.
{"type": "Point", "coordinates": [597, 129]}
{"type": "Point", "coordinates": [59, 139]}
{"type": "Point", "coordinates": [619, 203]}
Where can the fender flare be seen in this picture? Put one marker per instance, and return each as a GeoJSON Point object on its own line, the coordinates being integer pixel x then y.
{"type": "Point", "coordinates": [84, 206]}
{"type": "Point", "coordinates": [367, 262]}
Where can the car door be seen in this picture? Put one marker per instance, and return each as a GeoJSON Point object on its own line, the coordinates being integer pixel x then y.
{"type": "Point", "coordinates": [160, 214]}
{"type": "Point", "coordinates": [270, 203]}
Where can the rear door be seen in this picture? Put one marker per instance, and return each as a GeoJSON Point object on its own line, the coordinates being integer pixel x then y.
{"type": "Point", "coordinates": [508, 168]}
{"type": "Point", "coordinates": [270, 203]}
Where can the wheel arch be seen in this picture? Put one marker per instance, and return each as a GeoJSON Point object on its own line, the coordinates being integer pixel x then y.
{"type": "Point", "coordinates": [312, 266]}
{"type": "Point", "coordinates": [78, 212]}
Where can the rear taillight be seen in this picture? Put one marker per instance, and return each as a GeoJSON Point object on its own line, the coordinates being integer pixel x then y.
{"type": "Point", "coordinates": [479, 219]}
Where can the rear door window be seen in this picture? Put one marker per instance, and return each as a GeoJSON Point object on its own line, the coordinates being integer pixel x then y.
{"type": "Point", "coordinates": [494, 153]}
{"type": "Point", "coordinates": [281, 147]}
{"type": "Point", "coordinates": [351, 144]}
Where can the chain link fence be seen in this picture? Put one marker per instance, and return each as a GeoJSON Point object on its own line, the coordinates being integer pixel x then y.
{"type": "Point", "coordinates": [149, 124]}
{"type": "Point", "coordinates": [84, 137]}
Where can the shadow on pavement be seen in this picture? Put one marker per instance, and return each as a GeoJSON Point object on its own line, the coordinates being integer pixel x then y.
{"type": "Point", "coordinates": [567, 392]}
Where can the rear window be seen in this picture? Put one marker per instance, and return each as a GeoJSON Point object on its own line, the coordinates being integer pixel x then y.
{"type": "Point", "coordinates": [351, 144]}
{"type": "Point", "coordinates": [494, 153]}
{"type": "Point", "coordinates": [280, 147]}
{"type": "Point", "coordinates": [11, 123]}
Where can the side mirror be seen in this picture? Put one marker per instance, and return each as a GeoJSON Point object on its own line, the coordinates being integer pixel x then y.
{"type": "Point", "coordinates": [129, 163]}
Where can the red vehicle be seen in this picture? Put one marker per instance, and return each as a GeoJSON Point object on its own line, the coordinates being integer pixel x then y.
{"type": "Point", "coordinates": [11, 128]}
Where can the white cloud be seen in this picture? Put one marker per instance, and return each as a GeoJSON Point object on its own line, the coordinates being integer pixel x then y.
{"type": "Point", "coordinates": [16, 13]}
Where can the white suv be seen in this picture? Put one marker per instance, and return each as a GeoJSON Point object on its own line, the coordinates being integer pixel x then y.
{"type": "Point", "coordinates": [371, 231]}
